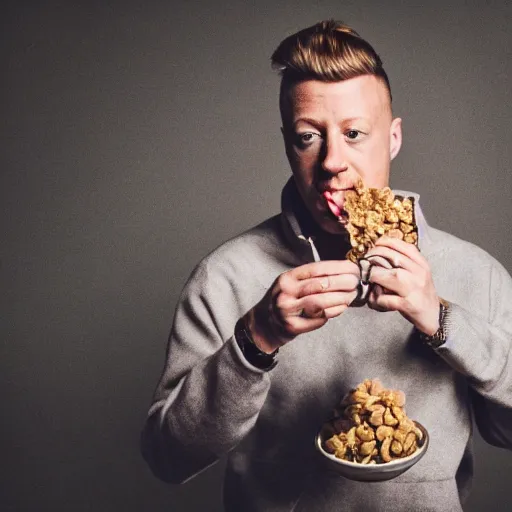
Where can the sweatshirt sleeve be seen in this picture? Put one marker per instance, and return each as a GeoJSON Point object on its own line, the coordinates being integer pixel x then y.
{"type": "Point", "coordinates": [208, 397]}
{"type": "Point", "coordinates": [480, 347]}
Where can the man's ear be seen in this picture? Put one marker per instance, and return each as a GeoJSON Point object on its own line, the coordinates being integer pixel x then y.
{"type": "Point", "coordinates": [395, 137]}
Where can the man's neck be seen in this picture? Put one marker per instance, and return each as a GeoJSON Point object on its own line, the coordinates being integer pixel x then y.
{"type": "Point", "coordinates": [331, 247]}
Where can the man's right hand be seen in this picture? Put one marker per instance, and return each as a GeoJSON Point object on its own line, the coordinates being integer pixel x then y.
{"type": "Point", "coordinates": [302, 300]}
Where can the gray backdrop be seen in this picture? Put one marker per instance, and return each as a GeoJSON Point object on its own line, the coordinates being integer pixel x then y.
{"type": "Point", "coordinates": [136, 136]}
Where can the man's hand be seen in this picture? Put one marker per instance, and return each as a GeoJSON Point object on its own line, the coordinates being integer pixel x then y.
{"type": "Point", "coordinates": [407, 288]}
{"type": "Point", "coordinates": [302, 300]}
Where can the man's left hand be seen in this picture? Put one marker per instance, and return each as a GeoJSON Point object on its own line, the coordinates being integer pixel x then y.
{"type": "Point", "coordinates": [407, 288]}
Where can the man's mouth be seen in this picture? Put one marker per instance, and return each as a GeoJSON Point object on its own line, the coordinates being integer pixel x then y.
{"type": "Point", "coordinates": [335, 200]}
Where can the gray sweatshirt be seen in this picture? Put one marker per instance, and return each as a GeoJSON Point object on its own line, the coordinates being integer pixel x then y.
{"type": "Point", "coordinates": [211, 402]}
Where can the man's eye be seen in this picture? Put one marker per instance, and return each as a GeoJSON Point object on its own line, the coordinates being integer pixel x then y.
{"type": "Point", "coordinates": [353, 134]}
{"type": "Point", "coordinates": [307, 138]}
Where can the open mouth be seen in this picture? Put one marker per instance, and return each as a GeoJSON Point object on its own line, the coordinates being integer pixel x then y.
{"type": "Point", "coordinates": [335, 201]}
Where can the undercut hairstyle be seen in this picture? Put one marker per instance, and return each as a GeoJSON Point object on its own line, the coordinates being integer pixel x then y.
{"type": "Point", "coordinates": [328, 51]}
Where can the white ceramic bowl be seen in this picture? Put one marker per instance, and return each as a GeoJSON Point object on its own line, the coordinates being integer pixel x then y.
{"type": "Point", "coordinates": [371, 472]}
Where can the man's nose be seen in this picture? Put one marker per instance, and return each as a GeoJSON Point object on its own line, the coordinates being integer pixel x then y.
{"type": "Point", "coordinates": [334, 158]}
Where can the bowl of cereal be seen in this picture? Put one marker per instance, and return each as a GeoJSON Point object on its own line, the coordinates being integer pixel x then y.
{"type": "Point", "coordinates": [371, 438]}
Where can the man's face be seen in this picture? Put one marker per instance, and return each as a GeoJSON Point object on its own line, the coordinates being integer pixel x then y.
{"type": "Point", "coordinates": [336, 133]}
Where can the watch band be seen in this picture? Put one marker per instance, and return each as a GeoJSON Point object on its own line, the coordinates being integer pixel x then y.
{"type": "Point", "coordinates": [439, 337]}
{"type": "Point", "coordinates": [250, 350]}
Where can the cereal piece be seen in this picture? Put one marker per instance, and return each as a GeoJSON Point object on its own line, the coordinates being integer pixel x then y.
{"type": "Point", "coordinates": [376, 407]}
{"type": "Point", "coordinates": [399, 398]}
{"type": "Point", "coordinates": [412, 449]}
{"type": "Point", "coordinates": [399, 435]}
{"type": "Point", "coordinates": [368, 459]}
{"type": "Point", "coordinates": [365, 432]}
{"type": "Point", "coordinates": [372, 399]}
{"type": "Point", "coordinates": [406, 425]}
{"type": "Point", "coordinates": [389, 419]}
{"type": "Point", "coordinates": [384, 431]}
{"type": "Point", "coordinates": [351, 437]}
{"type": "Point", "coordinates": [384, 450]}
{"type": "Point", "coordinates": [409, 440]}
{"type": "Point", "coordinates": [419, 433]}
{"type": "Point", "coordinates": [333, 444]}
{"type": "Point", "coordinates": [396, 447]}
{"type": "Point", "coordinates": [405, 228]}
{"type": "Point", "coordinates": [391, 216]}
{"type": "Point", "coordinates": [352, 412]}
{"type": "Point", "coordinates": [411, 238]}
{"type": "Point", "coordinates": [367, 447]}
{"type": "Point", "coordinates": [376, 387]}
{"type": "Point", "coordinates": [357, 397]}
{"type": "Point", "coordinates": [367, 385]}
{"type": "Point", "coordinates": [377, 417]}
{"type": "Point", "coordinates": [395, 233]}
{"type": "Point", "coordinates": [398, 413]}
{"type": "Point", "coordinates": [352, 409]}
{"type": "Point", "coordinates": [388, 397]}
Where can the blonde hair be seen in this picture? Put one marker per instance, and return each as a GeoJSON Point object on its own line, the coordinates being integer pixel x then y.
{"type": "Point", "coordinates": [328, 51]}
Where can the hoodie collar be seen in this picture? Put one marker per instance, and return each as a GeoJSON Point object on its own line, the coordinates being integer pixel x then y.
{"type": "Point", "coordinates": [293, 208]}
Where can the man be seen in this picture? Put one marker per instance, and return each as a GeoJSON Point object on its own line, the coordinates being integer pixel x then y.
{"type": "Point", "coordinates": [265, 340]}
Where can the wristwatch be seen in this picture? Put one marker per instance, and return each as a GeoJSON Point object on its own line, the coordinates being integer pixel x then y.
{"type": "Point", "coordinates": [250, 350]}
{"type": "Point", "coordinates": [439, 337]}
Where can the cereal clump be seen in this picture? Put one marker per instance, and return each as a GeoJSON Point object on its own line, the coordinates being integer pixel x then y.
{"type": "Point", "coordinates": [371, 427]}
{"type": "Point", "coordinates": [373, 212]}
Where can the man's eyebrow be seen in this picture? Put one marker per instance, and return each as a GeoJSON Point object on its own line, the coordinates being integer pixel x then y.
{"type": "Point", "coordinates": [354, 119]}
{"type": "Point", "coordinates": [309, 120]}
{"type": "Point", "coordinates": [318, 122]}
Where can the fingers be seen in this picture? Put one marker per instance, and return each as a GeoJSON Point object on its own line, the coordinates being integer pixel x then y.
{"type": "Point", "coordinates": [314, 316]}
{"type": "Point", "coordinates": [379, 300]}
{"type": "Point", "coordinates": [335, 311]}
{"type": "Point", "coordinates": [396, 280]}
{"type": "Point", "coordinates": [343, 283]}
{"type": "Point", "coordinates": [299, 325]}
{"type": "Point", "coordinates": [407, 249]}
{"type": "Point", "coordinates": [324, 268]}
{"type": "Point", "coordinates": [312, 304]}
{"type": "Point", "coordinates": [395, 258]}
